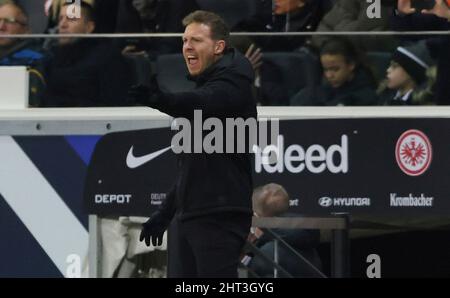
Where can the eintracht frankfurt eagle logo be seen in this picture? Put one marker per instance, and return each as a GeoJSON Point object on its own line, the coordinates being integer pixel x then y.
{"type": "Point", "coordinates": [413, 152]}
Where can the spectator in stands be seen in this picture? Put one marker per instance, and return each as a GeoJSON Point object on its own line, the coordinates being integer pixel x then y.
{"type": "Point", "coordinates": [347, 82]}
{"type": "Point", "coordinates": [84, 72]}
{"type": "Point", "coordinates": [53, 9]}
{"type": "Point", "coordinates": [13, 51]}
{"type": "Point", "coordinates": [351, 15]}
{"type": "Point", "coordinates": [20, 52]}
{"type": "Point", "coordinates": [37, 19]}
{"type": "Point", "coordinates": [272, 200]}
{"type": "Point", "coordinates": [405, 77]}
{"type": "Point", "coordinates": [163, 16]}
{"type": "Point", "coordinates": [268, 87]}
{"type": "Point", "coordinates": [110, 15]}
{"type": "Point", "coordinates": [288, 16]}
{"type": "Point", "coordinates": [437, 18]}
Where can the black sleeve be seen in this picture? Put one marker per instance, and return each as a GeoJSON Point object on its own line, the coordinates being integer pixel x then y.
{"type": "Point", "coordinates": [221, 97]}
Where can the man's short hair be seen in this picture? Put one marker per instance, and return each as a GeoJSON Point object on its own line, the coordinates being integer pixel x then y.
{"type": "Point", "coordinates": [17, 5]}
{"type": "Point", "coordinates": [86, 9]}
{"type": "Point", "coordinates": [270, 200]}
{"type": "Point", "coordinates": [219, 28]}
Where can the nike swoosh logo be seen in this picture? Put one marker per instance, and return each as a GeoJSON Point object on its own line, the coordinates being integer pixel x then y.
{"type": "Point", "coordinates": [134, 162]}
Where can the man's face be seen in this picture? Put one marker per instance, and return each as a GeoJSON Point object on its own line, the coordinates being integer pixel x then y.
{"type": "Point", "coordinates": [12, 21]}
{"type": "Point", "coordinates": [69, 24]}
{"type": "Point", "coordinates": [285, 6]}
{"type": "Point", "coordinates": [337, 70]}
{"type": "Point", "coordinates": [199, 49]}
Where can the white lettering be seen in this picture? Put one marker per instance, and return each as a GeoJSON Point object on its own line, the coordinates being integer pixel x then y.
{"type": "Point", "coordinates": [316, 159]}
{"type": "Point", "coordinates": [113, 198]}
{"type": "Point", "coordinates": [411, 201]}
{"type": "Point", "coordinates": [374, 10]}
{"type": "Point", "coordinates": [374, 269]}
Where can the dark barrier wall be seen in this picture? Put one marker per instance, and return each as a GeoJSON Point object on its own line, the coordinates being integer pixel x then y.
{"type": "Point", "coordinates": [378, 167]}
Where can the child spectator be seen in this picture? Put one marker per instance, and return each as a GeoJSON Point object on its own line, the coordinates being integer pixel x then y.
{"type": "Point", "coordinates": [405, 76]}
{"type": "Point", "coordinates": [347, 81]}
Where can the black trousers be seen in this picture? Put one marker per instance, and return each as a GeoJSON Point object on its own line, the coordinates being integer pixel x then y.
{"type": "Point", "coordinates": [207, 246]}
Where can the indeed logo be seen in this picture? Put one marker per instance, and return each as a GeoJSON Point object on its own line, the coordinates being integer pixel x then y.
{"type": "Point", "coordinates": [295, 159]}
{"type": "Point", "coordinates": [111, 199]}
{"type": "Point", "coordinates": [411, 201]}
{"type": "Point", "coordinates": [349, 202]}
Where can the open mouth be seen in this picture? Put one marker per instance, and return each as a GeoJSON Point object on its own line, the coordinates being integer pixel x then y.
{"type": "Point", "coordinates": [192, 60]}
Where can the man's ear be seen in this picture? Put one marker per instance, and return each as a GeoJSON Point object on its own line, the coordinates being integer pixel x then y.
{"type": "Point", "coordinates": [219, 47]}
{"type": "Point", "coordinates": [90, 27]}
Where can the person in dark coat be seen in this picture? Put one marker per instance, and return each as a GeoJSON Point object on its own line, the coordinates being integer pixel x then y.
{"type": "Point", "coordinates": [19, 52]}
{"type": "Point", "coordinates": [286, 16]}
{"type": "Point", "coordinates": [406, 76]}
{"type": "Point", "coordinates": [210, 203]}
{"type": "Point", "coordinates": [272, 200]}
{"type": "Point", "coordinates": [162, 16]}
{"type": "Point", "coordinates": [352, 15]}
{"type": "Point", "coordinates": [105, 13]}
{"type": "Point", "coordinates": [84, 72]}
{"type": "Point", "coordinates": [347, 81]}
{"type": "Point", "coordinates": [438, 18]}
{"type": "Point", "coordinates": [14, 20]}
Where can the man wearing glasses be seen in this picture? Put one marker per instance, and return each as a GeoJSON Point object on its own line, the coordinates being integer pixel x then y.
{"type": "Point", "coordinates": [14, 51]}
{"type": "Point", "coordinates": [20, 52]}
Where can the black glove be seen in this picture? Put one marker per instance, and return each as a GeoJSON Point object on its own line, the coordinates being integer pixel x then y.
{"type": "Point", "coordinates": [146, 95]}
{"type": "Point", "coordinates": [154, 229]}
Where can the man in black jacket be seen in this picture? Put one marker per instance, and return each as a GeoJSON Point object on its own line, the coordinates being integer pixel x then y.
{"type": "Point", "coordinates": [211, 201]}
{"type": "Point", "coordinates": [84, 72]}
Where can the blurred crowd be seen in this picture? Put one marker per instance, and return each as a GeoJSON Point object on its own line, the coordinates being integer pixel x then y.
{"type": "Point", "coordinates": [292, 70]}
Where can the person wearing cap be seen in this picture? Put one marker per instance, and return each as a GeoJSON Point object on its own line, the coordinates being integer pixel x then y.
{"type": "Point", "coordinates": [438, 18]}
{"type": "Point", "coordinates": [406, 75]}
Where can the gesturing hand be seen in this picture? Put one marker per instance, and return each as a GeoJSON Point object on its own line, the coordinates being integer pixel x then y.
{"type": "Point", "coordinates": [154, 230]}
{"type": "Point", "coordinates": [404, 7]}
{"type": "Point", "coordinates": [254, 56]}
{"type": "Point", "coordinates": [440, 9]}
